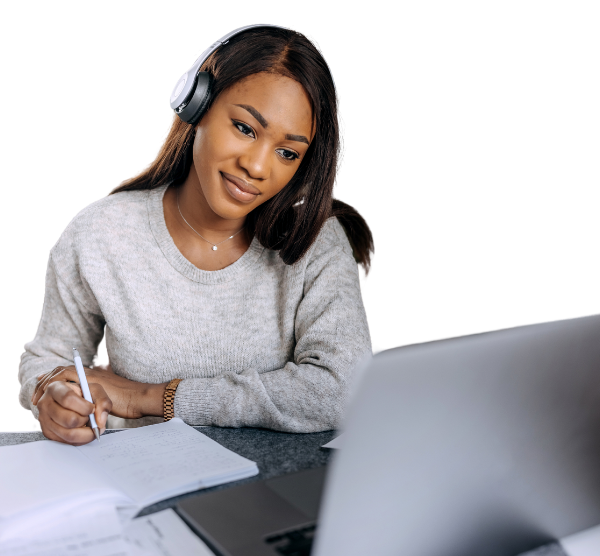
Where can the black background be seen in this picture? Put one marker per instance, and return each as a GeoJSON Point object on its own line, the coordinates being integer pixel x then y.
{"type": "Point", "coordinates": [472, 167]}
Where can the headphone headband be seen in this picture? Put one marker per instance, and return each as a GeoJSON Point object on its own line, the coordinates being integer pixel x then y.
{"type": "Point", "coordinates": [184, 89]}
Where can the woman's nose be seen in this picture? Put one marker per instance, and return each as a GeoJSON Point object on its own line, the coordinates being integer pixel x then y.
{"type": "Point", "coordinates": [257, 161]}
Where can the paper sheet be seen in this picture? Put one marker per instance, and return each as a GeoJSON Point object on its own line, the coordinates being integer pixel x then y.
{"type": "Point", "coordinates": [48, 471]}
{"type": "Point", "coordinates": [335, 443]}
{"type": "Point", "coordinates": [99, 533]}
{"type": "Point", "coordinates": [584, 543]}
{"type": "Point", "coordinates": [163, 534]}
{"type": "Point", "coordinates": [141, 462]}
{"type": "Point", "coordinates": [91, 532]}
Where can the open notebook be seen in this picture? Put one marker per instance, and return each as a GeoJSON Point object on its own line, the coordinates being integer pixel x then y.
{"type": "Point", "coordinates": [128, 470]}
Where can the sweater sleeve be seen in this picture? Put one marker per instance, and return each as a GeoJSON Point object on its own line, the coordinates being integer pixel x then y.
{"type": "Point", "coordinates": [308, 394]}
{"type": "Point", "coordinates": [69, 319]}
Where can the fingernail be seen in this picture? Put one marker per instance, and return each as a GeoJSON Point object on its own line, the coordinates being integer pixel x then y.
{"type": "Point", "coordinates": [103, 419]}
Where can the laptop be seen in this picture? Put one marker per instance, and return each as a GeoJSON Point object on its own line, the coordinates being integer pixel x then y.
{"type": "Point", "coordinates": [484, 444]}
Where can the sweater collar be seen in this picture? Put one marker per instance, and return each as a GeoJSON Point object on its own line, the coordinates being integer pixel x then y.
{"type": "Point", "coordinates": [156, 216]}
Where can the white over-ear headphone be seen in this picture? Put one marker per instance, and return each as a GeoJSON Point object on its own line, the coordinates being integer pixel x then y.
{"type": "Point", "coordinates": [191, 95]}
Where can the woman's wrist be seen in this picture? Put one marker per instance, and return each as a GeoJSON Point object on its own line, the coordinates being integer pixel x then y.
{"type": "Point", "coordinates": [151, 399]}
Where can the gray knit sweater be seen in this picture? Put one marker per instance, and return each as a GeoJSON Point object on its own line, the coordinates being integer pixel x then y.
{"type": "Point", "coordinates": [258, 343]}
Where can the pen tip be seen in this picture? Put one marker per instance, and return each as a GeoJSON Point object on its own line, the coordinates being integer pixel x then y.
{"type": "Point", "coordinates": [96, 434]}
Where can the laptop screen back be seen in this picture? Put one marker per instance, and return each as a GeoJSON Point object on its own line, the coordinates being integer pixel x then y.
{"type": "Point", "coordinates": [486, 444]}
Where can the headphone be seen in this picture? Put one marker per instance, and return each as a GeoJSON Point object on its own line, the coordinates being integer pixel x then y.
{"type": "Point", "coordinates": [191, 95]}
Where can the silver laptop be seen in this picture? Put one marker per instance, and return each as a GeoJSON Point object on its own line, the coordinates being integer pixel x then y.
{"type": "Point", "coordinates": [481, 445]}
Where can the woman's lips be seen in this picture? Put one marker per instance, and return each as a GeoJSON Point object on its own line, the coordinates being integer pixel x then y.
{"type": "Point", "coordinates": [239, 189]}
{"type": "Point", "coordinates": [242, 184]}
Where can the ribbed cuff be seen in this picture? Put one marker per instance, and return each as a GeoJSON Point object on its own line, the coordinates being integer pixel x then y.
{"type": "Point", "coordinates": [195, 401]}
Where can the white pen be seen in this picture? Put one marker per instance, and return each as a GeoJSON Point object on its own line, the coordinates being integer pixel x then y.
{"type": "Point", "coordinates": [85, 389]}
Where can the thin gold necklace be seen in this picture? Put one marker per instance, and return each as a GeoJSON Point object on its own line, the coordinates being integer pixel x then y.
{"type": "Point", "coordinates": [214, 245]}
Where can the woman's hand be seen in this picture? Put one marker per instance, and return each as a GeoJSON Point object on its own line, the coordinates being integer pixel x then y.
{"type": "Point", "coordinates": [63, 414]}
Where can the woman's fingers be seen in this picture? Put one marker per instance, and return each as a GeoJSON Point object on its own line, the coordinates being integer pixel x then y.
{"type": "Point", "coordinates": [76, 437]}
{"type": "Point", "coordinates": [38, 390]}
{"type": "Point", "coordinates": [64, 413]}
{"type": "Point", "coordinates": [66, 396]}
{"type": "Point", "coordinates": [103, 405]}
{"type": "Point", "coordinates": [59, 374]}
{"type": "Point", "coordinates": [42, 382]}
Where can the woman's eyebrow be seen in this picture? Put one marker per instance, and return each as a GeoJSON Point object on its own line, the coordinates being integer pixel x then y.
{"type": "Point", "coordinates": [261, 120]}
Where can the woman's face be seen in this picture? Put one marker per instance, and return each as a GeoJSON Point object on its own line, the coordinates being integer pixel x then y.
{"type": "Point", "coordinates": [251, 142]}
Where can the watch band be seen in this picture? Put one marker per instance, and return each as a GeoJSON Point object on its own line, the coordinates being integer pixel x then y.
{"type": "Point", "coordinates": [169, 399]}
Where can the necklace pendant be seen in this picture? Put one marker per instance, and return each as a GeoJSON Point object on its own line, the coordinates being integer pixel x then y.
{"type": "Point", "coordinates": [214, 247]}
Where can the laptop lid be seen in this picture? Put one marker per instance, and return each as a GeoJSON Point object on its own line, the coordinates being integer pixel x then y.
{"type": "Point", "coordinates": [485, 444]}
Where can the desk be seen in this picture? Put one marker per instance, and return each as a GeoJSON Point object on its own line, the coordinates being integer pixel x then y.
{"type": "Point", "coordinates": [275, 453]}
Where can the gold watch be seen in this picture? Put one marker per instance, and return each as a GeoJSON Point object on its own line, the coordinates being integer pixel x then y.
{"type": "Point", "coordinates": [169, 399]}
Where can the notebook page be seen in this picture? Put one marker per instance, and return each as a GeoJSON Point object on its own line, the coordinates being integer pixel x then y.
{"type": "Point", "coordinates": [41, 474]}
{"type": "Point", "coordinates": [160, 461]}
{"type": "Point", "coordinates": [91, 531]}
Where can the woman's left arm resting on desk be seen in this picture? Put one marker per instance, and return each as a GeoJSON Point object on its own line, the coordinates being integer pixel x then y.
{"type": "Point", "coordinates": [308, 394]}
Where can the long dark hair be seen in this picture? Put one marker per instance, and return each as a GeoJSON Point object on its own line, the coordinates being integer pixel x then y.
{"type": "Point", "coordinates": [291, 220]}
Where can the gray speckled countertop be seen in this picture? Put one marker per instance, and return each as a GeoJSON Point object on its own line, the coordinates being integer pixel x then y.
{"type": "Point", "coordinates": [275, 453]}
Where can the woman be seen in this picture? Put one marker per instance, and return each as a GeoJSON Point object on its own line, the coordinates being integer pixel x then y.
{"type": "Point", "coordinates": [229, 294]}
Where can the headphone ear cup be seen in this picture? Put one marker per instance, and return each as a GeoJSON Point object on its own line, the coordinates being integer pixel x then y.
{"type": "Point", "coordinates": [199, 100]}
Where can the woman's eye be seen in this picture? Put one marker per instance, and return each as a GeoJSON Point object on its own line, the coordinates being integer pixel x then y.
{"type": "Point", "coordinates": [244, 128]}
{"type": "Point", "coordinates": [247, 130]}
{"type": "Point", "coordinates": [287, 156]}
